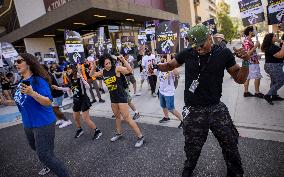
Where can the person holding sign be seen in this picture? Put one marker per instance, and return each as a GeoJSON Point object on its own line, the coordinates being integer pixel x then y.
{"type": "Point", "coordinates": [204, 71]}
{"type": "Point", "coordinates": [254, 69]}
{"type": "Point", "coordinates": [33, 98]}
{"type": "Point", "coordinates": [112, 76]}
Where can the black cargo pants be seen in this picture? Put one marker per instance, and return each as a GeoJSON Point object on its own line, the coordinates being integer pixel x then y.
{"type": "Point", "coordinates": [197, 122]}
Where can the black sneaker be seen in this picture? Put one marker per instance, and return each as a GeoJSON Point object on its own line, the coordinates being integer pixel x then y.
{"type": "Point", "coordinates": [248, 94]}
{"type": "Point", "coordinates": [97, 134]}
{"type": "Point", "coordinates": [268, 99]}
{"type": "Point", "coordinates": [259, 95]}
{"type": "Point", "coordinates": [181, 124]}
{"type": "Point", "coordinates": [79, 133]}
{"type": "Point", "coordinates": [277, 98]}
{"type": "Point", "coordinates": [94, 100]}
{"type": "Point", "coordinates": [136, 116]}
{"type": "Point", "coordinates": [101, 100]}
{"type": "Point", "coordinates": [164, 120]}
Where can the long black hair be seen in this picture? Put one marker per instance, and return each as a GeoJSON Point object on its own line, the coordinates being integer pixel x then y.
{"type": "Point", "coordinates": [267, 42]}
{"type": "Point", "coordinates": [104, 57]}
{"type": "Point", "coordinates": [36, 68]}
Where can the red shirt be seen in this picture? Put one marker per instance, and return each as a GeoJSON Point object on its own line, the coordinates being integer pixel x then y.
{"type": "Point", "coordinates": [248, 44]}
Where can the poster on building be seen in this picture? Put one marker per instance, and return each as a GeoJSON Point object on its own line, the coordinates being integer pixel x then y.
{"type": "Point", "coordinates": [275, 11]}
{"type": "Point", "coordinates": [51, 5]}
{"type": "Point", "coordinates": [74, 47]}
{"type": "Point", "coordinates": [167, 37]}
{"type": "Point", "coordinates": [251, 11]}
{"type": "Point", "coordinates": [211, 25]}
{"type": "Point", "coordinates": [9, 53]}
{"type": "Point", "coordinates": [184, 27]}
{"type": "Point", "coordinates": [127, 44]}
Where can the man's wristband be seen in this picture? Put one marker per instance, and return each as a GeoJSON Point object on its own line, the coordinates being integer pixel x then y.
{"type": "Point", "coordinates": [245, 63]}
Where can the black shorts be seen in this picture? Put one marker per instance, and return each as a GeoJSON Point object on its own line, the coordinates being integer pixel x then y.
{"type": "Point", "coordinates": [81, 104]}
{"type": "Point", "coordinates": [119, 98]}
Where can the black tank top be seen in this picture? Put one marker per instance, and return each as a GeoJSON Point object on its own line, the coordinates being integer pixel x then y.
{"type": "Point", "coordinates": [114, 84]}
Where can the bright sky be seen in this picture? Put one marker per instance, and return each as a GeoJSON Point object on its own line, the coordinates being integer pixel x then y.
{"type": "Point", "coordinates": [234, 7]}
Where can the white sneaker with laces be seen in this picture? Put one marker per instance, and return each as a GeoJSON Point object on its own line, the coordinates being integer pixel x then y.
{"type": "Point", "coordinates": [139, 142]}
{"type": "Point", "coordinates": [44, 171]}
{"type": "Point", "coordinates": [116, 137]}
{"type": "Point", "coordinates": [59, 122]}
{"type": "Point", "coordinates": [65, 124]}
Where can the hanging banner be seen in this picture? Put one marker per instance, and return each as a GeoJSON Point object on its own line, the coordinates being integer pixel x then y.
{"type": "Point", "coordinates": [275, 11]}
{"type": "Point", "coordinates": [9, 53]}
{"type": "Point", "coordinates": [107, 46]}
{"type": "Point", "coordinates": [167, 37]}
{"type": "Point", "coordinates": [74, 47]}
{"type": "Point", "coordinates": [251, 12]}
{"type": "Point", "coordinates": [51, 5]}
{"type": "Point", "coordinates": [211, 25]}
{"type": "Point", "coordinates": [127, 43]}
{"type": "Point", "coordinates": [184, 27]}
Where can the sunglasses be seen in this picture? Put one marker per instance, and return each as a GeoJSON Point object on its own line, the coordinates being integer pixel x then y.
{"type": "Point", "coordinates": [19, 61]}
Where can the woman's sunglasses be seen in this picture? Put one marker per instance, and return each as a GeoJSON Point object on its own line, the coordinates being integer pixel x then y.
{"type": "Point", "coordinates": [19, 61]}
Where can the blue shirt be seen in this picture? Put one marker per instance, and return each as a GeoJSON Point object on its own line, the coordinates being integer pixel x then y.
{"type": "Point", "coordinates": [33, 113]}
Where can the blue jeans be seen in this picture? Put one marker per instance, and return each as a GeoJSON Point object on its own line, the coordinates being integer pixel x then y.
{"type": "Point", "coordinates": [167, 102]}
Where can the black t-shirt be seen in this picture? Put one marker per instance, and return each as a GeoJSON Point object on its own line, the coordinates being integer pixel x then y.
{"type": "Point", "coordinates": [55, 93]}
{"type": "Point", "coordinates": [269, 58]}
{"type": "Point", "coordinates": [78, 88]}
{"type": "Point", "coordinates": [209, 90]}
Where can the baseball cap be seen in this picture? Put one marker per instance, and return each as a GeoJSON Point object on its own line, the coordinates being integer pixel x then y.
{"type": "Point", "coordinates": [198, 35]}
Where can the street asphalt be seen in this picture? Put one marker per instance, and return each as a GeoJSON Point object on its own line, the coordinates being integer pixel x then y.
{"type": "Point", "coordinates": [161, 156]}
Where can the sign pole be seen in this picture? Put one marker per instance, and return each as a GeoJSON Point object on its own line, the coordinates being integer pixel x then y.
{"type": "Point", "coordinates": [255, 33]}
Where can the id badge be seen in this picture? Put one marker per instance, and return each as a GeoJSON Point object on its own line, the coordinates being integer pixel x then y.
{"type": "Point", "coordinates": [185, 112]}
{"type": "Point", "coordinates": [193, 86]}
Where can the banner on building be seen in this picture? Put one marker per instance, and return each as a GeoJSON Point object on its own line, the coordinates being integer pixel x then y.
{"type": "Point", "coordinates": [184, 27]}
{"type": "Point", "coordinates": [251, 12]}
{"type": "Point", "coordinates": [51, 5]}
{"type": "Point", "coordinates": [74, 47]}
{"type": "Point", "coordinates": [211, 25]}
{"type": "Point", "coordinates": [275, 11]}
{"type": "Point", "coordinates": [9, 53]}
{"type": "Point", "coordinates": [167, 37]}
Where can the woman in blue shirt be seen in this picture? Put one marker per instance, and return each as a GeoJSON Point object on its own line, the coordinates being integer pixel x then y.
{"type": "Point", "coordinates": [33, 98]}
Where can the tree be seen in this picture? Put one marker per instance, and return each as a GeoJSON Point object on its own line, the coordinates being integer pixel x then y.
{"type": "Point", "coordinates": [224, 21]}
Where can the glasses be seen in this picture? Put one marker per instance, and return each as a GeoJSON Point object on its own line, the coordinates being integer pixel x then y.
{"type": "Point", "coordinates": [19, 61]}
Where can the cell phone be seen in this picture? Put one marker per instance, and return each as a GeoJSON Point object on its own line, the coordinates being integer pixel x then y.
{"type": "Point", "coordinates": [26, 83]}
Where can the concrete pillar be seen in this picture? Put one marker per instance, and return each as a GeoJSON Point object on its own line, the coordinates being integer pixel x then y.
{"type": "Point", "coordinates": [42, 45]}
{"type": "Point", "coordinates": [29, 10]}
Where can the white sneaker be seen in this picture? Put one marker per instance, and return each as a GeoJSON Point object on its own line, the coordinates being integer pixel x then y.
{"type": "Point", "coordinates": [154, 95]}
{"type": "Point", "coordinates": [65, 124]}
{"type": "Point", "coordinates": [139, 142]}
{"type": "Point", "coordinates": [44, 171]}
{"type": "Point", "coordinates": [59, 122]}
{"type": "Point", "coordinates": [138, 94]}
{"type": "Point", "coordinates": [116, 137]}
